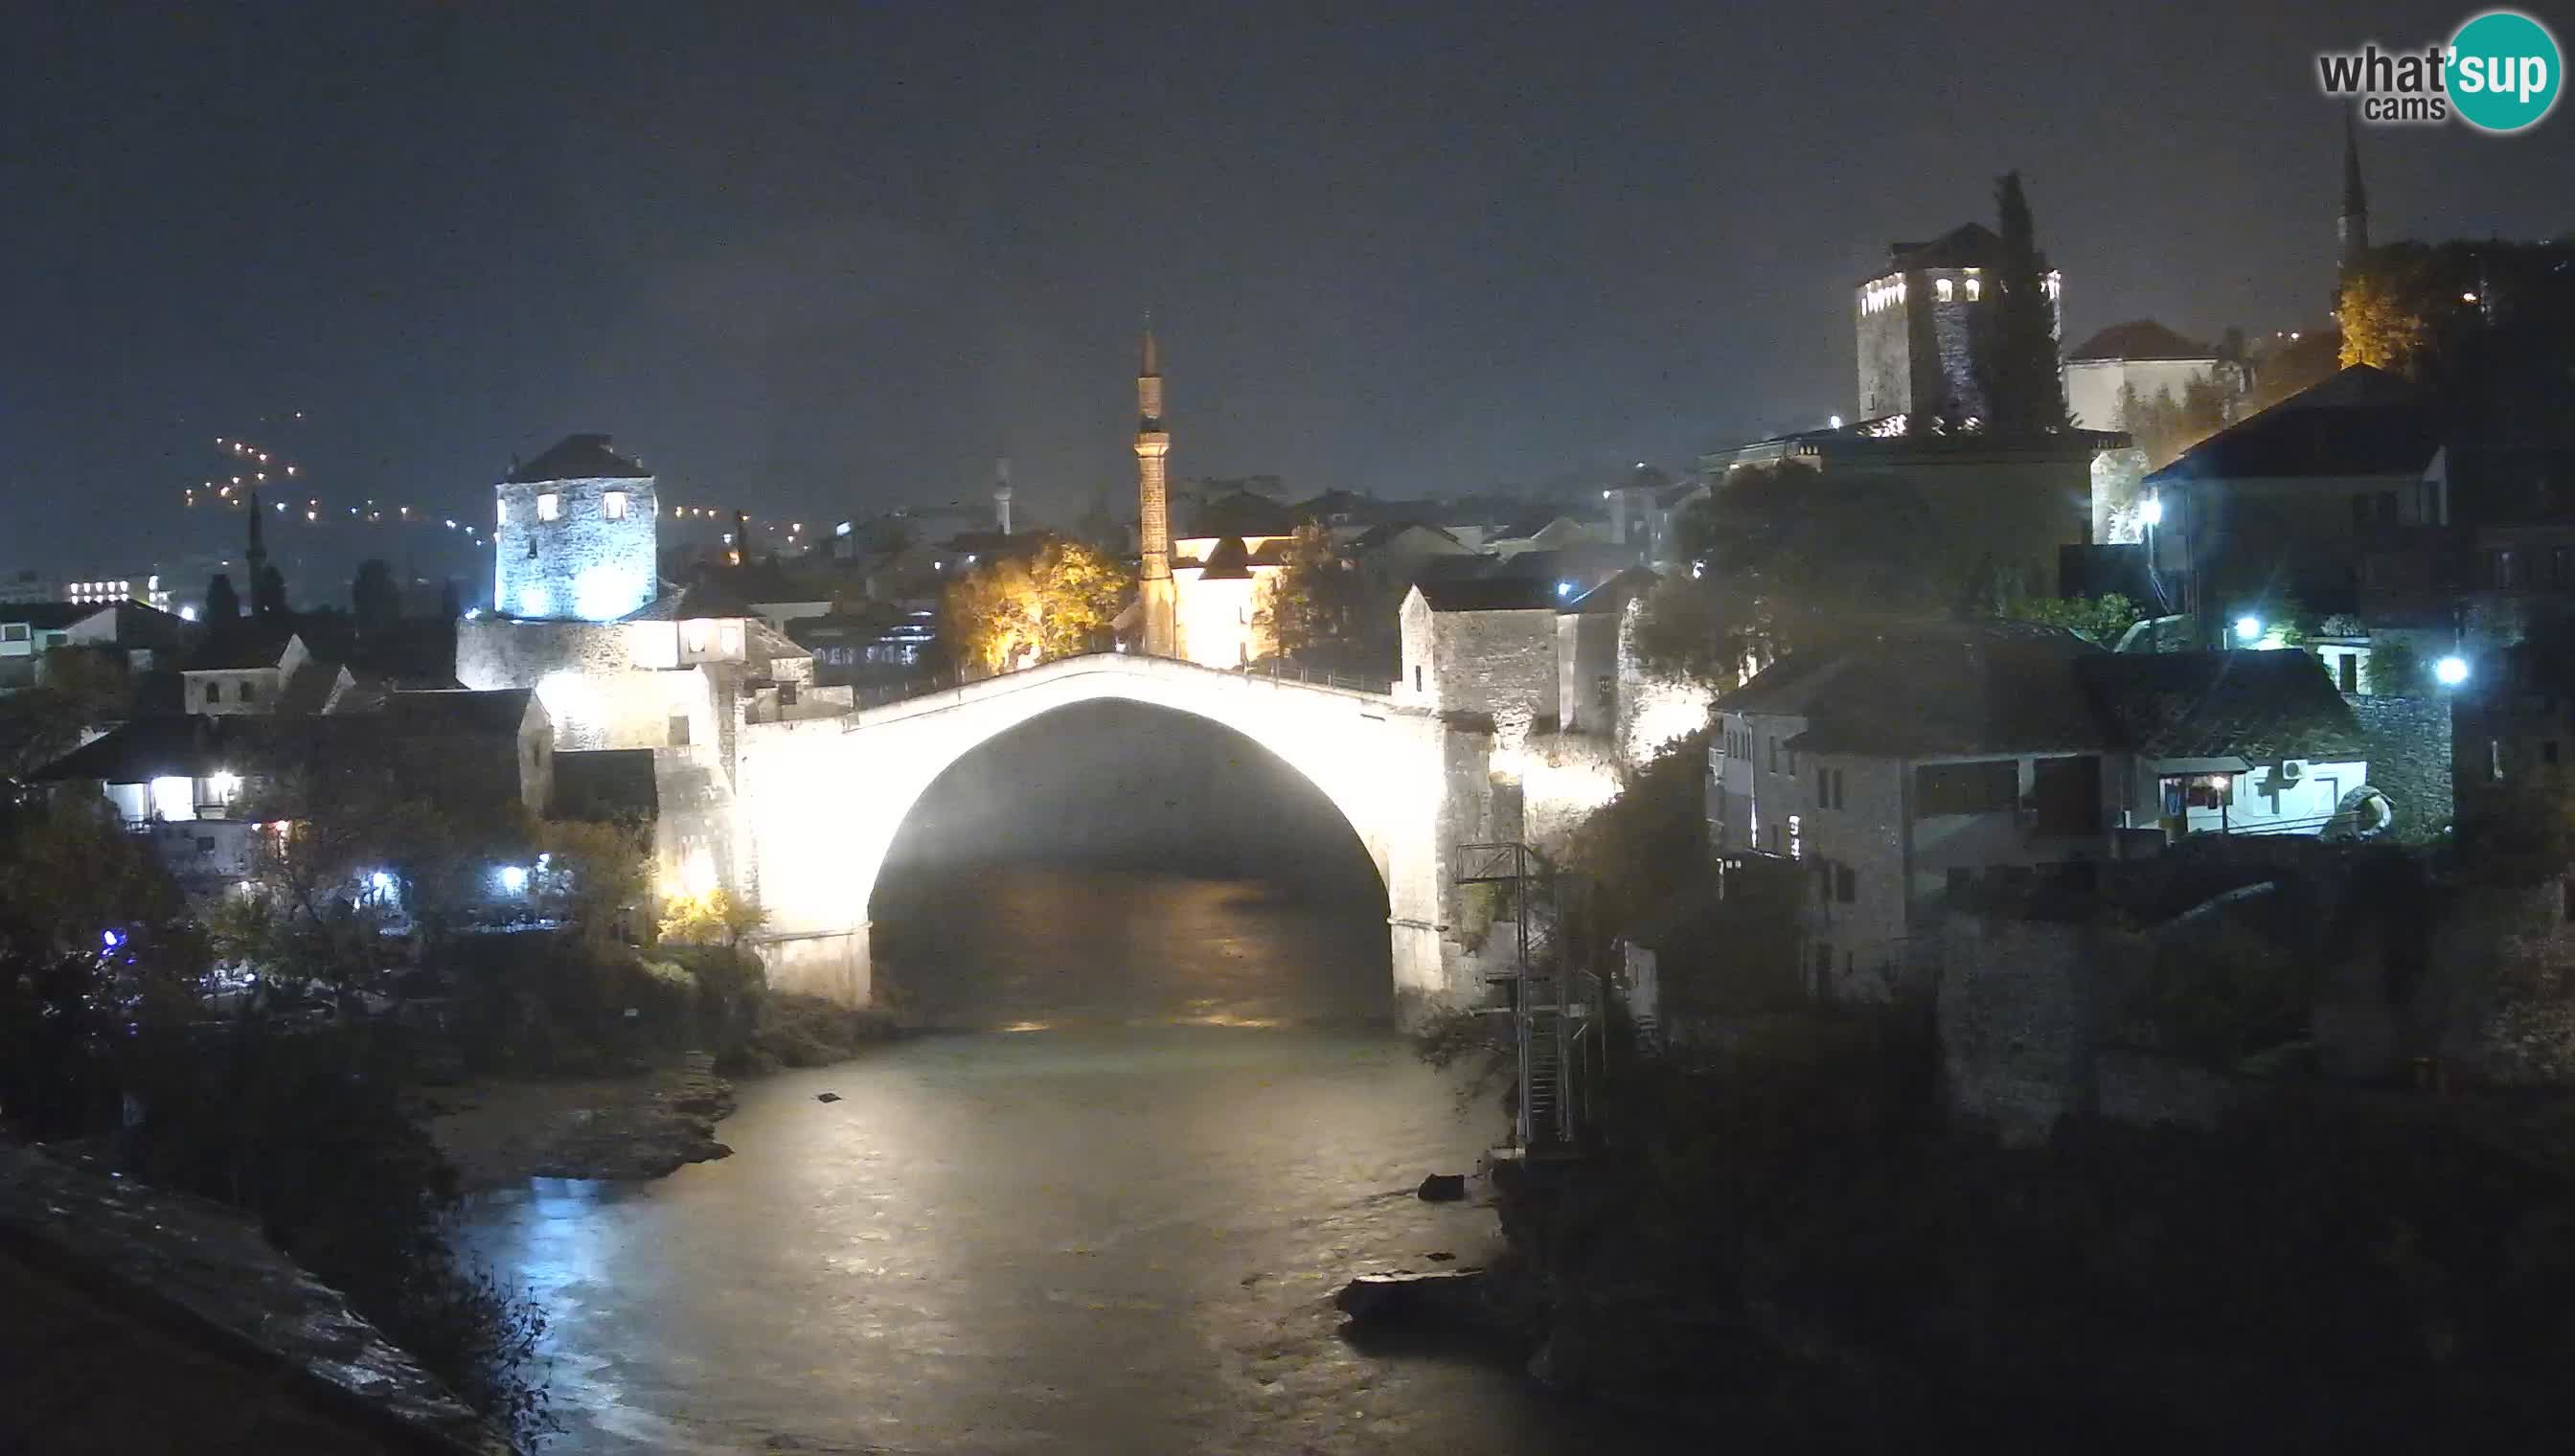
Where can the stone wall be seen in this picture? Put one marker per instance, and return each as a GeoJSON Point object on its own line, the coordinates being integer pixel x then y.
{"type": "Point", "coordinates": [580, 565]}
{"type": "Point", "coordinates": [2409, 758]}
{"type": "Point", "coordinates": [1499, 665]}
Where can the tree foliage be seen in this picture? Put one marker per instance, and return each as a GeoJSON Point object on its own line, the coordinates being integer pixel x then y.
{"type": "Point", "coordinates": [1018, 612]}
{"type": "Point", "coordinates": [373, 602]}
{"type": "Point", "coordinates": [713, 917]}
{"type": "Point", "coordinates": [2165, 426]}
{"type": "Point", "coordinates": [1650, 842]}
{"type": "Point", "coordinates": [1782, 560]}
{"type": "Point", "coordinates": [596, 874]}
{"type": "Point", "coordinates": [2024, 386]}
{"type": "Point", "coordinates": [1311, 608]}
{"type": "Point", "coordinates": [2381, 313]}
{"type": "Point", "coordinates": [223, 604]}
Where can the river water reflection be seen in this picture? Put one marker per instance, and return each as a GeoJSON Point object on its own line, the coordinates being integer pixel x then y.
{"type": "Point", "coordinates": [1115, 1230]}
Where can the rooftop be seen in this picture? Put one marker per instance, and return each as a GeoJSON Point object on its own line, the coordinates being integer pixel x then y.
{"type": "Point", "coordinates": [2138, 339]}
{"type": "Point", "coordinates": [1490, 593]}
{"type": "Point", "coordinates": [2359, 422]}
{"type": "Point", "coordinates": [579, 458]}
{"type": "Point", "coordinates": [2259, 705]}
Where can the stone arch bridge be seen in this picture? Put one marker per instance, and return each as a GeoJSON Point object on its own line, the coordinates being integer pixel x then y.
{"type": "Point", "coordinates": [819, 801]}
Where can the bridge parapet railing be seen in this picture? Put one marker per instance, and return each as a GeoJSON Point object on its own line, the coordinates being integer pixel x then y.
{"type": "Point", "coordinates": [930, 684]}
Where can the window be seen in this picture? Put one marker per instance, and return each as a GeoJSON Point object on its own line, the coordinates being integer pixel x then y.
{"type": "Point", "coordinates": [1944, 288]}
{"type": "Point", "coordinates": [549, 507]}
{"type": "Point", "coordinates": [214, 692]}
{"type": "Point", "coordinates": [1966, 788]}
{"type": "Point", "coordinates": [205, 843]}
{"type": "Point", "coordinates": [1845, 884]}
{"type": "Point", "coordinates": [13, 631]}
{"type": "Point", "coordinates": [1606, 687]}
{"type": "Point", "coordinates": [679, 730]}
{"type": "Point", "coordinates": [2187, 792]}
{"type": "Point", "coordinates": [502, 518]}
{"type": "Point", "coordinates": [1796, 838]}
{"type": "Point", "coordinates": [1793, 760]}
{"type": "Point", "coordinates": [1976, 289]}
{"type": "Point", "coordinates": [2499, 570]}
{"type": "Point", "coordinates": [2348, 667]}
{"type": "Point", "coordinates": [1417, 678]}
{"type": "Point", "coordinates": [249, 692]}
{"type": "Point", "coordinates": [611, 505]}
{"type": "Point", "coordinates": [2359, 511]}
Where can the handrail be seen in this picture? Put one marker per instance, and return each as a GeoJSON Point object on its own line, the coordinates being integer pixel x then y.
{"type": "Point", "coordinates": [888, 694]}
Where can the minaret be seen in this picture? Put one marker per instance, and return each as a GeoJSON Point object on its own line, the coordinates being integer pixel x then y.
{"type": "Point", "coordinates": [2351, 230]}
{"type": "Point", "coordinates": [256, 559]}
{"type": "Point", "coordinates": [1160, 597]}
{"type": "Point", "coordinates": [1002, 495]}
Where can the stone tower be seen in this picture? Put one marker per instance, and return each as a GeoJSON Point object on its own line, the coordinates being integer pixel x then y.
{"type": "Point", "coordinates": [1926, 329]}
{"type": "Point", "coordinates": [574, 537]}
{"type": "Point", "coordinates": [1002, 495]}
{"type": "Point", "coordinates": [1156, 590]}
{"type": "Point", "coordinates": [2351, 229]}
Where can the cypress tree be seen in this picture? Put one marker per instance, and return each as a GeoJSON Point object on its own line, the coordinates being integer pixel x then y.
{"type": "Point", "coordinates": [2023, 388]}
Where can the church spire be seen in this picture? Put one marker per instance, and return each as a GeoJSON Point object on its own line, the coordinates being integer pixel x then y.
{"type": "Point", "coordinates": [1155, 593]}
{"type": "Point", "coordinates": [2351, 230]}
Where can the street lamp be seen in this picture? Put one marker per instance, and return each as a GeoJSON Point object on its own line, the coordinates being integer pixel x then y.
{"type": "Point", "coordinates": [2152, 512]}
{"type": "Point", "coordinates": [2451, 670]}
{"type": "Point", "coordinates": [2248, 628]}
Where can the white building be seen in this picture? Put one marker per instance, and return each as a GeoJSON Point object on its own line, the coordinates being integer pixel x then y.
{"type": "Point", "coordinates": [1898, 772]}
{"type": "Point", "coordinates": [2139, 355]}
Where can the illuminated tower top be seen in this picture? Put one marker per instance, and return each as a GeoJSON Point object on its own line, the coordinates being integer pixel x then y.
{"type": "Point", "coordinates": [1156, 591]}
{"type": "Point", "coordinates": [575, 535]}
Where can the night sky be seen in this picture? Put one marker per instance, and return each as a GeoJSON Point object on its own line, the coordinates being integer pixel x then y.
{"type": "Point", "coordinates": [823, 259]}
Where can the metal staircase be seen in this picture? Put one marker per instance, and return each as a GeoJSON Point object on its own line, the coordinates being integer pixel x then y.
{"type": "Point", "coordinates": [1554, 1001]}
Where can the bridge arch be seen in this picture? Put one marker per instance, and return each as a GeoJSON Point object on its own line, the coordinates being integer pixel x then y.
{"type": "Point", "coordinates": [820, 800]}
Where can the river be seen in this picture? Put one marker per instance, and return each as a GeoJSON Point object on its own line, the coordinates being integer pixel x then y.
{"type": "Point", "coordinates": [1111, 1219]}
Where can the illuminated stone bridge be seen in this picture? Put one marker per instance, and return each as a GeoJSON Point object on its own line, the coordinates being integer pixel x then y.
{"type": "Point", "coordinates": [820, 800]}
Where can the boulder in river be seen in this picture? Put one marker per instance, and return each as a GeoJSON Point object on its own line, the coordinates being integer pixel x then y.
{"type": "Point", "coordinates": [1449, 1298]}
{"type": "Point", "coordinates": [1442, 1188]}
{"type": "Point", "coordinates": [827, 1096]}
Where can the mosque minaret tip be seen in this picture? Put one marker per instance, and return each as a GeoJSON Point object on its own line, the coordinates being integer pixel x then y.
{"type": "Point", "coordinates": [1156, 590]}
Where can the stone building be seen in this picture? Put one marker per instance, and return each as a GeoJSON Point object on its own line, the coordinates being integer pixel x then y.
{"type": "Point", "coordinates": [1925, 326]}
{"type": "Point", "coordinates": [621, 664]}
{"type": "Point", "coordinates": [575, 535]}
{"type": "Point", "coordinates": [2142, 355]}
{"type": "Point", "coordinates": [1900, 770]}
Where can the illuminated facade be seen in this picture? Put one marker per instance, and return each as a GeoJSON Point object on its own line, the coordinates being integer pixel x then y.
{"type": "Point", "coordinates": [1927, 327]}
{"type": "Point", "coordinates": [1157, 594]}
{"type": "Point", "coordinates": [574, 534]}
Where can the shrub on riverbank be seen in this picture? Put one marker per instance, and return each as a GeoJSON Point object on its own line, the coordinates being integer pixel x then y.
{"type": "Point", "coordinates": [801, 1031]}
{"type": "Point", "coordinates": [1795, 1237]}
{"type": "Point", "coordinates": [304, 1130]}
{"type": "Point", "coordinates": [566, 1004]}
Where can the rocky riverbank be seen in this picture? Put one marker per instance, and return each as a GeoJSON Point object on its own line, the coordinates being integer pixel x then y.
{"type": "Point", "coordinates": [501, 1132]}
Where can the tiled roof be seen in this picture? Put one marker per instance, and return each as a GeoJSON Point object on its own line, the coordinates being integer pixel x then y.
{"type": "Point", "coordinates": [49, 616]}
{"type": "Point", "coordinates": [1613, 595]}
{"type": "Point", "coordinates": [579, 458]}
{"type": "Point", "coordinates": [1379, 535]}
{"type": "Point", "coordinates": [1969, 245]}
{"type": "Point", "coordinates": [698, 603]}
{"type": "Point", "coordinates": [2259, 705]}
{"type": "Point", "coordinates": [456, 709]}
{"type": "Point", "coordinates": [242, 644]}
{"type": "Point", "coordinates": [1490, 593]}
{"type": "Point", "coordinates": [2359, 422]}
{"type": "Point", "coordinates": [1226, 561]}
{"type": "Point", "coordinates": [2139, 339]}
{"type": "Point", "coordinates": [605, 785]}
{"type": "Point", "coordinates": [1241, 514]}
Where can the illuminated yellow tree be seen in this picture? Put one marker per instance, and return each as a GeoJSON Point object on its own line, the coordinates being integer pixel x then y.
{"type": "Point", "coordinates": [1018, 612]}
{"type": "Point", "coordinates": [2382, 324]}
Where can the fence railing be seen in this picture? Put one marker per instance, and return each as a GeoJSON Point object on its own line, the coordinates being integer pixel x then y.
{"type": "Point", "coordinates": [948, 680]}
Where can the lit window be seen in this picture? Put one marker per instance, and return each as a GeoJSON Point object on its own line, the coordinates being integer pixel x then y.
{"type": "Point", "coordinates": [505, 512]}
{"type": "Point", "coordinates": [1944, 288]}
{"type": "Point", "coordinates": [613, 504]}
{"type": "Point", "coordinates": [1976, 289]}
{"type": "Point", "coordinates": [549, 507]}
